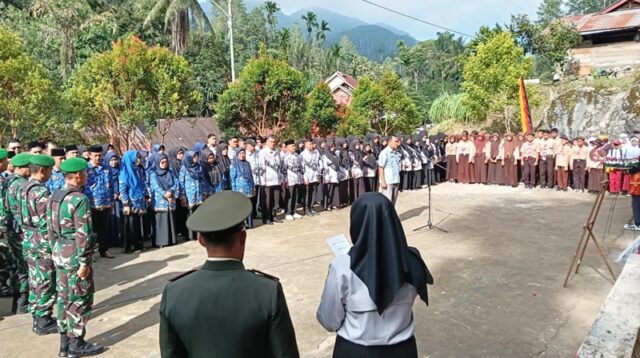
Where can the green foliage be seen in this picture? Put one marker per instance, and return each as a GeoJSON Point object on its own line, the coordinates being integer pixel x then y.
{"type": "Point", "coordinates": [579, 7]}
{"type": "Point", "coordinates": [548, 11]}
{"type": "Point", "coordinates": [267, 98]}
{"type": "Point", "coordinates": [382, 106]}
{"type": "Point", "coordinates": [491, 76]}
{"type": "Point", "coordinates": [449, 108]}
{"type": "Point", "coordinates": [29, 105]}
{"type": "Point", "coordinates": [321, 109]}
{"type": "Point", "coordinates": [129, 86]}
{"type": "Point", "coordinates": [373, 42]}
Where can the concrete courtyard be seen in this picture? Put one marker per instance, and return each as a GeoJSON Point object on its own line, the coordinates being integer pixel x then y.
{"type": "Point", "coordinates": [498, 277]}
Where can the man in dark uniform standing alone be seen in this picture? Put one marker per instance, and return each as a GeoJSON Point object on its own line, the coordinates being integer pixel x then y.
{"type": "Point", "coordinates": [223, 310]}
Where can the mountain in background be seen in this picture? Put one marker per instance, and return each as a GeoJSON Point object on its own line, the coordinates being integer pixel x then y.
{"type": "Point", "coordinates": [373, 41]}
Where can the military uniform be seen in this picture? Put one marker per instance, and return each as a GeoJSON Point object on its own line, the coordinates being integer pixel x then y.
{"type": "Point", "coordinates": [15, 237]}
{"type": "Point", "coordinates": [6, 257]}
{"type": "Point", "coordinates": [223, 310]}
{"type": "Point", "coordinates": [42, 277]}
{"type": "Point", "coordinates": [73, 245]}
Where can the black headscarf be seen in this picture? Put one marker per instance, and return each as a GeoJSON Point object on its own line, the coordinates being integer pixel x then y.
{"type": "Point", "coordinates": [223, 160]}
{"type": "Point", "coordinates": [173, 158]}
{"type": "Point", "coordinates": [344, 159]}
{"type": "Point", "coordinates": [212, 172]}
{"type": "Point", "coordinates": [371, 161]}
{"type": "Point", "coordinates": [331, 154]}
{"type": "Point", "coordinates": [380, 256]}
{"type": "Point", "coordinates": [358, 155]}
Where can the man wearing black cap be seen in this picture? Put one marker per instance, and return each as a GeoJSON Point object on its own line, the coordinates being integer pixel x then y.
{"type": "Point", "coordinates": [223, 310]}
{"type": "Point", "coordinates": [57, 177]}
{"type": "Point", "coordinates": [98, 190]}
{"type": "Point", "coordinates": [71, 151]}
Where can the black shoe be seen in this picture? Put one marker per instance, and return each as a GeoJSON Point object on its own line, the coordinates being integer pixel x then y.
{"type": "Point", "coordinates": [277, 221]}
{"type": "Point", "coordinates": [6, 291]}
{"type": "Point", "coordinates": [79, 348]}
{"type": "Point", "coordinates": [308, 212]}
{"type": "Point", "coordinates": [64, 345]}
{"type": "Point", "coordinates": [268, 222]}
{"type": "Point", "coordinates": [45, 325]}
{"type": "Point", "coordinates": [22, 303]}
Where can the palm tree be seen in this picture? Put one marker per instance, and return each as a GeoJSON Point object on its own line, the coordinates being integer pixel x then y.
{"type": "Point", "coordinates": [271, 7]}
{"type": "Point", "coordinates": [177, 12]}
{"type": "Point", "coordinates": [284, 37]}
{"type": "Point", "coordinates": [321, 31]}
{"type": "Point", "coordinates": [311, 21]}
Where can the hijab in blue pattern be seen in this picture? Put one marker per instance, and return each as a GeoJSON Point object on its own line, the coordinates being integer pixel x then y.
{"type": "Point", "coordinates": [199, 146]}
{"type": "Point", "coordinates": [242, 166]}
{"type": "Point", "coordinates": [113, 172]}
{"type": "Point", "coordinates": [151, 159]}
{"type": "Point", "coordinates": [194, 169]}
{"type": "Point", "coordinates": [165, 176]}
{"type": "Point", "coordinates": [132, 174]}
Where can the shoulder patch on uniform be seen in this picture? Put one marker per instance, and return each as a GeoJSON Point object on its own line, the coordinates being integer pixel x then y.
{"type": "Point", "coordinates": [266, 275]}
{"type": "Point", "coordinates": [182, 275]}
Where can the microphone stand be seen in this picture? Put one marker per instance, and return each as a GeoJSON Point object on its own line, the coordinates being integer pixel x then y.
{"type": "Point", "coordinates": [430, 225]}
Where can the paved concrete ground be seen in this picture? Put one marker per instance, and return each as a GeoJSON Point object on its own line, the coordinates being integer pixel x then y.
{"type": "Point", "coordinates": [498, 277]}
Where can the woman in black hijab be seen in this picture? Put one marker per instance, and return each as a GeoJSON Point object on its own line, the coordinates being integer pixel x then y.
{"type": "Point", "coordinates": [369, 293]}
{"type": "Point", "coordinates": [344, 172]}
{"type": "Point", "coordinates": [224, 163]}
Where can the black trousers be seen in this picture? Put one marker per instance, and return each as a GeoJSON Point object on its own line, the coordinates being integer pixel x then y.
{"type": "Point", "coordinates": [347, 349]}
{"type": "Point", "coordinates": [329, 190]}
{"type": "Point", "coordinates": [100, 220]}
{"type": "Point", "coordinates": [291, 198]}
{"type": "Point", "coordinates": [192, 235]}
{"type": "Point", "coordinates": [309, 195]}
{"type": "Point", "coordinates": [370, 184]}
{"type": "Point", "coordinates": [270, 194]}
{"type": "Point", "coordinates": [133, 232]}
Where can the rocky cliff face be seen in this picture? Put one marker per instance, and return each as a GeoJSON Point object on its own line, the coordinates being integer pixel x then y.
{"type": "Point", "coordinates": [590, 111]}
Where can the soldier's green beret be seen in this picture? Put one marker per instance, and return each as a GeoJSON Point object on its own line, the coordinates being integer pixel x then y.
{"type": "Point", "coordinates": [21, 160]}
{"type": "Point", "coordinates": [42, 160]}
{"type": "Point", "coordinates": [220, 212]}
{"type": "Point", "coordinates": [3, 153]}
{"type": "Point", "coordinates": [73, 165]}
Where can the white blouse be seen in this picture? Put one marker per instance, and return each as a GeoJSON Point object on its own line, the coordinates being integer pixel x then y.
{"type": "Point", "coordinates": [347, 309]}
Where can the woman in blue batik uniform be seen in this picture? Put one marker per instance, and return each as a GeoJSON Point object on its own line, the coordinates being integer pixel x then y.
{"type": "Point", "coordinates": [112, 162]}
{"type": "Point", "coordinates": [213, 176]}
{"type": "Point", "coordinates": [242, 179]}
{"type": "Point", "coordinates": [133, 196]}
{"type": "Point", "coordinates": [191, 184]}
{"type": "Point", "coordinates": [164, 190]}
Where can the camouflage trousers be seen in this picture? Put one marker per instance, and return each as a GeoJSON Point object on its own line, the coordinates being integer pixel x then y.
{"type": "Point", "coordinates": [6, 261]}
{"type": "Point", "coordinates": [20, 279]}
{"type": "Point", "coordinates": [75, 300]}
{"type": "Point", "coordinates": [42, 283]}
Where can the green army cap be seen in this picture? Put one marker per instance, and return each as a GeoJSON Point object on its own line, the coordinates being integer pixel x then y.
{"type": "Point", "coordinates": [73, 165]}
{"type": "Point", "coordinates": [3, 153]}
{"type": "Point", "coordinates": [21, 160]}
{"type": "Point", "coordinates": [42, 160]}
{"type": "Point", "coordinates": [220, 212]}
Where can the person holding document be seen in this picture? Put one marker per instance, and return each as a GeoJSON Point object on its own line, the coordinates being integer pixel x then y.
{"type": "Point", "coordinates": [369, 293]}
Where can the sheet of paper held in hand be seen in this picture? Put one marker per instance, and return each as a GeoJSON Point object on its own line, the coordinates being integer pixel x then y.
{"type": "Point", "coordinates": [339, 244]}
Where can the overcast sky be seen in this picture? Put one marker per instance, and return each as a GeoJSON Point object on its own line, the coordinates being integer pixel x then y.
{"type": "Point", "coordinates": [465, 16]}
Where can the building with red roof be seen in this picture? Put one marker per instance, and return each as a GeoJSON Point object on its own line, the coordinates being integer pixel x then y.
{"type": "Point", "coordinates": [610, 38]}
{"type": "Point", "coordinates": [342, 87]}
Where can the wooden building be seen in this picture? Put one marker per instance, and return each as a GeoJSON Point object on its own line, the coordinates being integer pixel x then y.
{"type": "Point", "coordinates": [610, 38]}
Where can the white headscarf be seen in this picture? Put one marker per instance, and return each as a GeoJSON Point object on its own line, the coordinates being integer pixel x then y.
{"type": "Point", "coordinates": [633, 151]}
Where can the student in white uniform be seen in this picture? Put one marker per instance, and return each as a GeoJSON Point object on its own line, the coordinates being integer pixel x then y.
{"type": "Point", "coordinates": [369, 293]}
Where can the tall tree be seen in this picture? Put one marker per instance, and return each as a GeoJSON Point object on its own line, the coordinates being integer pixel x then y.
{"type": "Point", "coordinates": [549, 10]}
{"type": "Point", "coordinates": [267, 98]}
{"type": "Point", "coordinates": [129, 86]}
{"type": "Point", "coordinates": [271, 8]}
{"type": "Point", "coordinates": [311, 21]}
{"type": "Point", "coordinates": [176, 13]}
{"type": "Point", "coordinates": [321, 110]}
{"type": "Point", "coordinates": [321, 31]}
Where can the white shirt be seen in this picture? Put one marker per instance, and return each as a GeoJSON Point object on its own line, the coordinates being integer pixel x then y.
{"type": "Point", "coordinates": [347, 308]}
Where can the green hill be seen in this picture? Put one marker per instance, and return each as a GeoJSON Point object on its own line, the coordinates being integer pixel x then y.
{"type": "Point", "coordinates": [372, 41]}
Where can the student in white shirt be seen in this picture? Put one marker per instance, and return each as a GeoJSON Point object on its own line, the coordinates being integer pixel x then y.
{"type": "Point", "coordinates": [369, 293]}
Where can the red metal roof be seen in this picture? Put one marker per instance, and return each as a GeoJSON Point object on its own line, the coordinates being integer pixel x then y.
{"type": "Point", "coordinates": [350, 80]}
{"type": "Point", "coordinates": [611, 19]}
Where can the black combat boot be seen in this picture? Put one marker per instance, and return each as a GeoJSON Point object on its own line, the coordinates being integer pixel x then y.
{"type": "Point", "coordinates": [79, 348]}
{"type": "Point", "coordinates": [46, 325]}
{"type": "Point", "coordinates": [64, 345]}
{"type": "Point", "coordinates": [22, 303]}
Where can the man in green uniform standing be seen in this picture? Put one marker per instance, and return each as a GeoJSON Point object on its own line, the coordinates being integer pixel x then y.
{"type": "Point", "coordinates": [223, 310]}
{"type": "Point", "coordinates": [21, 172]}
{"type": "Point", "coordinates": [6, 257]}
{"type": "Point", "coordinates": [42, 277]}
{"type": "Point", "coordinates": [69, 224]}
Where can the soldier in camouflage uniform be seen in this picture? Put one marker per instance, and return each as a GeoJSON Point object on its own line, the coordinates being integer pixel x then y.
{"type": "Point", "coordinates": [69, 223]}
{"type": "Point", "coordinates": [6, 257]}
{"type": "Point", "coordinates": [20, 282]}
{"type": "Point", "coordinates": [42, 276]}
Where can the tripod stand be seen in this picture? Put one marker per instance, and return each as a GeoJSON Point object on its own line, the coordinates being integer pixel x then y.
{"type": "Point", "coordinates": [430, 225]}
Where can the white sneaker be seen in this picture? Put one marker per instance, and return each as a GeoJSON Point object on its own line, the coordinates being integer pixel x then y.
{"type": "Point", "coordinates": [297, 216]}
{"type": "Point", "coordinates": [632, 227]}
{"type": "Point", "coordinates": [289, 218]}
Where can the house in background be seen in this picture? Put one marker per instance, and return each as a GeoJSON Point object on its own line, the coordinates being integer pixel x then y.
{"type": "Point", "coordinates": [610, 38]}
{"type": "Point", "coordinates": [342, 87]}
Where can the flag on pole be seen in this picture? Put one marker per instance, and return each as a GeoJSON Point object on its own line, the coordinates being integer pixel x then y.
{"type": "Point", "coordinates": [525, 115]}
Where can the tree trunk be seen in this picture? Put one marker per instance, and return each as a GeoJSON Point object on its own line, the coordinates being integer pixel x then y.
{"type": "Point", "coordinates": [180, 32]}
{"type": "Point", "coordinates": [67, 56]}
